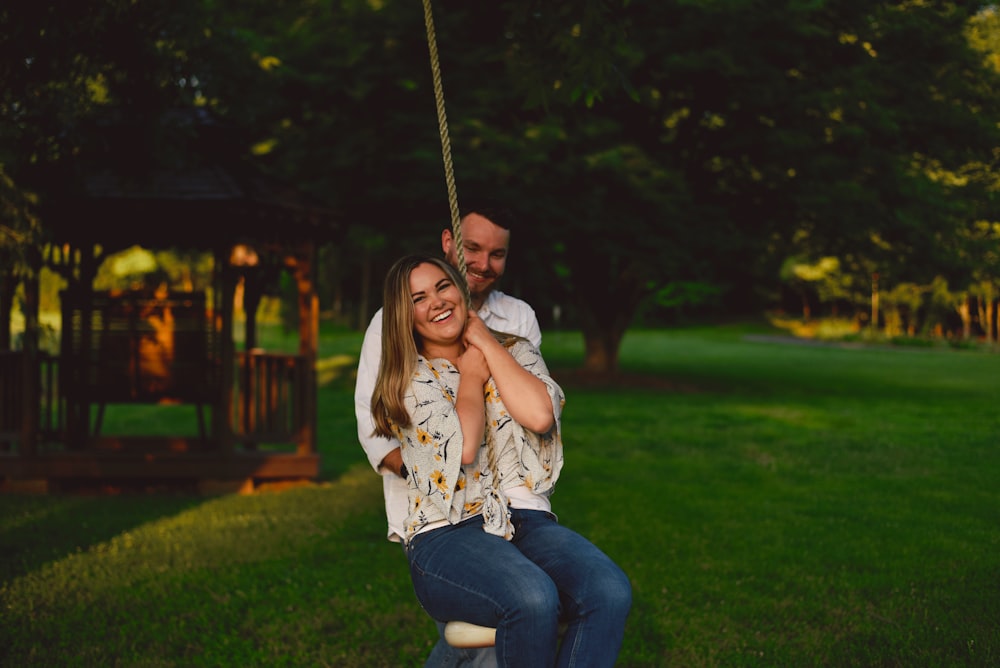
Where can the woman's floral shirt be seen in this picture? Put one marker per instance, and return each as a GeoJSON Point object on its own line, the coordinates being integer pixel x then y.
{"type": "Point", "coordinates": [441, 489]}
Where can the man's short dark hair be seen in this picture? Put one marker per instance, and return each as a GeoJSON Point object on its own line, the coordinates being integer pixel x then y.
{"type": "Point", "coordinates": [495, 213]}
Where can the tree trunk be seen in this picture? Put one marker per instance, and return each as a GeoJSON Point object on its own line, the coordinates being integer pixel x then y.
{"type": "Point", "coordinates": [966, 315]}
{"type": "Point", "coordinates": [987, 300]}
{"type": "Point", "coordinates": [875, 305]}
{"type": "Point", "coordinates": [607, 298]}
{"type": "Point", "coordinates": [601, 351]}
{"type": "Point", "coordinates": [991, 308]}
{"type": "Point", "coordinates": [604, 325]}
{"type": "Point", "coordinates": [366, 277]}
{"type": "Point", "coordinates": [8, 283]}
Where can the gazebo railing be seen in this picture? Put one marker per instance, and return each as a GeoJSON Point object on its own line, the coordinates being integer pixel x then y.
{"type": "Point", "coordinates": [11, 397]}
{"type": "Point", "coordinates": [269, 398]}
{"type": "Point", "coordinates": [51, 409]}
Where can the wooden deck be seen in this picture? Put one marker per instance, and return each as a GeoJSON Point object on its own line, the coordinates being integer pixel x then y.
{"type": "Point", "coordinates": [206, 472]}
{"type": "Point", "coordinates": [264, 437]}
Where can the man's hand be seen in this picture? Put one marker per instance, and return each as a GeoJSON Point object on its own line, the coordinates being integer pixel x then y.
{"type": "Point", "coordinates": [394, 462]}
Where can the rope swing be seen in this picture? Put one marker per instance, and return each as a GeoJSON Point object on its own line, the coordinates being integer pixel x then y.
{"type": "Point", "coordinates": [449, 169]}
{"type": "Point", "coordinates": [457, 633]}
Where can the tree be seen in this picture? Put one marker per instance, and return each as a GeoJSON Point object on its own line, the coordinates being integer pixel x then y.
{"type": "Point", "coordinates": [823, 280]}
{"type": "Point", "coordinates": [19, 227]}
{"type": "Point", "coordinates": [68, 68]}
{"type": "Point", "coordinates": [650, 145]}
{"type": "Point", "coordinates": [734, 134]}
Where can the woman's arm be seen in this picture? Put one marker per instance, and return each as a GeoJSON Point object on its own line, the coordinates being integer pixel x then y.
{"type": "Point", "coordinates": [470, 402]}
{"type": "Point", "coordinates": [525, 396]}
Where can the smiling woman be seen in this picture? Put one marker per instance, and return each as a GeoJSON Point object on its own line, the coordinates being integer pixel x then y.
{"type": "Point", "coordinates": [439, 311]}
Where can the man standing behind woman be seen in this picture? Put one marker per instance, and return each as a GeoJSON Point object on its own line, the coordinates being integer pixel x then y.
{"type": "Point", "coordinates": [478, 417]}
{"type": "Point", "coordinates": [486, 232]}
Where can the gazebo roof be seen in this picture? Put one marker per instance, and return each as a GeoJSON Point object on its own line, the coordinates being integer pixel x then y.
{"type": "Point", "coordinates": [201, 195]}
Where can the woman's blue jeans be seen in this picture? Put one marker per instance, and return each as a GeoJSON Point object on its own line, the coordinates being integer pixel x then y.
{"type": "Point", "coordinates": [524, 588]}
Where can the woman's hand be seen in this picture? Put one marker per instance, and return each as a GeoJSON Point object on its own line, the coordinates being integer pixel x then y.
{"type": "Point", "coordinates": [477, 333]}
{"type": "Point", "coordinates": [472, 366]}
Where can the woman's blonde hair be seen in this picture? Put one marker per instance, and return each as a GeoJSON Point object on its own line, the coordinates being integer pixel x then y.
{"type": "Point", "coordinates": [400, 342]}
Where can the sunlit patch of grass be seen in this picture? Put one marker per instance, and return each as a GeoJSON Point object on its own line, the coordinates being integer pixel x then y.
{"type": "Point", "coordinates": [826, 328]}
{"type": "Point", "coordinates": [787, 415]}
{"type": "Point", "coordinates": [336, 367]}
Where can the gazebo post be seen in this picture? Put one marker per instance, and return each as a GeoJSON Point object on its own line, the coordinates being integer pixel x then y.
{"type": "Point", "coordinates": [308, 342]}
{"type": "Point", "coordinates": [222, 421]}
{"type": "Point", "coordinates": [8, 285]}
{"type": "Point", "coordinates": [75, 376]}
{"type": "Point", "coordinates": [30, 360]}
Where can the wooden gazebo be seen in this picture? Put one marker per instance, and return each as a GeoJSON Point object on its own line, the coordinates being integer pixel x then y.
{"type": "Point", "coordinates": [255, 410]}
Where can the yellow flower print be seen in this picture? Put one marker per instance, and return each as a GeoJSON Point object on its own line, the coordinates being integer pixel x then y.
{"type": "Point", "coordinates": [528, 482]}
{"type": "Point", "coordinates": [460, 485]}
{"type": "Point", "coordinates": [473, 508]}
{"type": "Point", "coordinates": [439, 481]}
{"type": "Point", "coordinates": [491, 394]}
{"type": "Point", "coordinates": [423, 437]}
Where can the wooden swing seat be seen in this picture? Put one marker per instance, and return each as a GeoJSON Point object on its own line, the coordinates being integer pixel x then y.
{"type": "Point", "coordinates": [469, 636]}
{"type": "Point", "coordinates": [465, 635]}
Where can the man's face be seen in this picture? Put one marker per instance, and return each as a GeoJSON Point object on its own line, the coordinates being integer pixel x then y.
{"type": "Point", "coordinates": [485, 247]}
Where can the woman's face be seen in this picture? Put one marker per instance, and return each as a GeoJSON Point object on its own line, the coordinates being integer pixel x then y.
{"type": "Point", "coordinates": [439, 311]}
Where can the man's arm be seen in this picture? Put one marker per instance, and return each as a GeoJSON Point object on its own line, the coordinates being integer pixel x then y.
{"type": "Point", "coordinates": [532, 331]}
{"type": "Point", "coordinates": [383, 453]}
{"type": "Point", "coordinates": [511, 315]}
{"type": "Point", "coordinates": [393, 462]}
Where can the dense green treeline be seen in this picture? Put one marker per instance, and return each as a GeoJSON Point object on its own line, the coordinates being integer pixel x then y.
{"type": "Point", "coordinates": [667, 159]}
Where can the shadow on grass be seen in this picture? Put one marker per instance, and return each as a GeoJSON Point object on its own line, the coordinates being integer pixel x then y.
{"type": "Point", "coordinates": [39, 529]}
{"type": "Point", "coordinates": [35, 530]}
{"type": "Point", "coordinates": [300, 576]}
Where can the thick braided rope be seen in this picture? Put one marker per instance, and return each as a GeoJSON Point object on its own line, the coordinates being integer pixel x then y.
{"type": "Point", "coordinates": [449, 170]}
{"type": "Point", "coordinates": [449, 176]}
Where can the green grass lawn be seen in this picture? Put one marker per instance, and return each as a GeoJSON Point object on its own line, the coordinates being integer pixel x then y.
{"type": "Point", "coordinates": [775, 504]}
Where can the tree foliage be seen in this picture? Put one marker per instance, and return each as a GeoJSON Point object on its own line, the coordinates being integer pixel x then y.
{"type": "Point", "coordinates": [658, 152]}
